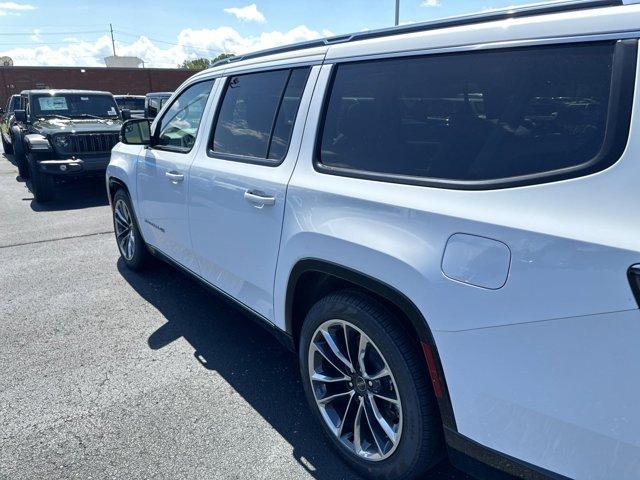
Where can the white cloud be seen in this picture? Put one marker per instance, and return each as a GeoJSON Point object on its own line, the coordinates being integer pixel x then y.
{"type": "Point", "coordinates": [430, 3]}
{"type": "Point", "coordinates": [16, 6]}
{"type": "Point", "coordinates": [36, 35]}
{"type": "Point", "coordinates": [191, 44]}
{"type": "Point", "coordinates": [250, 13]}
{"type": "Point", "coordinates": [7, 7]}
{"type": "Point", "coordinates": [13, 8]}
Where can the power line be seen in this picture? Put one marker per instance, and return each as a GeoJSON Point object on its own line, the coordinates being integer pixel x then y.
{"type": "Point", "coordinates": [194, 47]}
{"type": "Point", "coordinates": [42, 44]}
{"type": "Point", "coordinates": [34, 32]}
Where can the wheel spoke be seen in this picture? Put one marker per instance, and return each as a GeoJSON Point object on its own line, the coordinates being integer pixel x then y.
{"type": "Point", "coordinates": [121, 223]}
{"type": "Point", "coordinates": [362, 349]}
{"type": "Point", "coordinates": [326, 357]}
{"type": "Point", "coordinates": [331, 398]}
{"type": "Point", "coordinates": [336, 351]}
{"type": "Point", "coordinates": [125, 211]}
{"type": "Point", "coordinates": [123, 245]}
{"type": "Point", "coordinates": [346, 344]}
{"type": "Point", "coordinates": [120, 216]}
{"type": "Point", "coordinates": [124, 232]}
{"type": "Point", "coordinates": [130, 245]}
{"type": "Point", "coordinates": [386, 428]}
{"type": "Point", "coordinates": [373, 433]}
{"type": "Point", "coordinates": [320, 377]}
{"type": "Point", "coordinates": [344, 416]}
{"type": "Point", "coordinates": [357, 434]}
{"type": "Point", "coordinates": [381, 374]}
{"type": "Point", "coordinates": [386, 399]}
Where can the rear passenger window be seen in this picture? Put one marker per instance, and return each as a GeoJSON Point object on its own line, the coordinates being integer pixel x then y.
{"type": "Point", "coordinates": [257, 114]}
{"type": "Point", "coordinates": [473, 117]}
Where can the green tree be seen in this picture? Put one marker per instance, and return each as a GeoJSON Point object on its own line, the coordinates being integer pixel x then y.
{"type": "Point", "coordinates": [222, 56]}
{"type": "Point", "coordinates": [196, 64]}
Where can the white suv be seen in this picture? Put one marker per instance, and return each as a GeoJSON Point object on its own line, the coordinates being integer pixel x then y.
{"type": "Point", "coordinates": [439, 219]}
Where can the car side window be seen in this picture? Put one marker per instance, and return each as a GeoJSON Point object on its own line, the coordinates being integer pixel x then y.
{"type": "Point", "coordinates": [257, 114]}
{"type": "Point", "coordinates": [178, 128]}
{"type": "Point", "coordinates": [492, 116]}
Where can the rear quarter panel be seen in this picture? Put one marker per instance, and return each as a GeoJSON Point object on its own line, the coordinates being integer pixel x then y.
{"type": "Point", "coordinates": [571, 241]}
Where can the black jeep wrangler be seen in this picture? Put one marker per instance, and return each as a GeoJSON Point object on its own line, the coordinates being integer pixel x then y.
{"type": "Point", "coordinates": [62, 133]}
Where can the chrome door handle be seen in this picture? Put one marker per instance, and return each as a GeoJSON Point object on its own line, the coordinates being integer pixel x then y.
{"type": "Point", "coordinates": [174, 176]}
{"type": "Point", "coordinates": [259, 199]}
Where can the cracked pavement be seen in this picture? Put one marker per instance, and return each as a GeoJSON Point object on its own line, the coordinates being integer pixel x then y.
{"type": "Point", "coordinates": [105, 373]}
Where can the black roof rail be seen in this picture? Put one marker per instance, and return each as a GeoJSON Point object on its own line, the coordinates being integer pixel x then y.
{"type": "Point", "coordinates": [488, 16]}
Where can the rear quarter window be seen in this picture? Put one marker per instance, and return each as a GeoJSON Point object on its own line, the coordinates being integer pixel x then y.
{"type": "Point", "coordinates": [480, 119]}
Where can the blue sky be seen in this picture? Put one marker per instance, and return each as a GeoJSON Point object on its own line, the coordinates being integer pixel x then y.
{"type": "Point", "coordinates": [165, 32]}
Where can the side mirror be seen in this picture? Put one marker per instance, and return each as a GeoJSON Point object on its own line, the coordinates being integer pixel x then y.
{"type": "Point", "coordinates": [126, 114]}
{"type": "Point", "coordinates": [136, 131]}
{"type": "Point", "coordinates": [20, 116]}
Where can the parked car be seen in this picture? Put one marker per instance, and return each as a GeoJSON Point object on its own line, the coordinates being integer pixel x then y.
{"type": "Point", "coordinates": [133, 103]}
{"type": "Point", "coordinates": [62, 133]}
{"type": "Point", "coordinates": [154, 102]}
{"type": "Point", "coordinates": [6, 122]}
{"type": "Point", "coordinates": [438, 218]}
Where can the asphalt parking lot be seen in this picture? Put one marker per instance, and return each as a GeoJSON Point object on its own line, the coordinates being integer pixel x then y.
{"type": "Point", "coordinates": [105, 373]}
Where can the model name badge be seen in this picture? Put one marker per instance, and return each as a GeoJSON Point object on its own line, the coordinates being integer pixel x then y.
{"type": "Point", "coordinates": [154, 225]}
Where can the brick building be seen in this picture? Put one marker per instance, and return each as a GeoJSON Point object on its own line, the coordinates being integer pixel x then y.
{"type": "Point", "coordinates": [136, 81]}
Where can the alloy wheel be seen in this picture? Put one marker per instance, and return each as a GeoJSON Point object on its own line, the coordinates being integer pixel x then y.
{"type": "Point", "coordinates": [125, 236]}
{"type": "Point", "coordinates": [355, 390]}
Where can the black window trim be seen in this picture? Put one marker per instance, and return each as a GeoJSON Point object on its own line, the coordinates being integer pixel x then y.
{"type": "Point", "coordinates": [266, 162]}
{"type": "Point", "coordinates": [618, 122]}
{"type": "Point", "coordinates": [156, 131]}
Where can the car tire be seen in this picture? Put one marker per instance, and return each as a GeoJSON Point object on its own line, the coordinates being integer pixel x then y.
{"type": "Point", "coordinates": [409, 408]}
{"type": "Point", "coordinates": [6, 147]}
{"type": "Point", "coordinates": [42, 184]}
{"type": "Point", "coordinates": [20, 157]}
{"type": "Point", "coordinates": [133, 250]}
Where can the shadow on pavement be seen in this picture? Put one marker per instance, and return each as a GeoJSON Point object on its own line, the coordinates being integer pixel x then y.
{"type": "Point", "coordinates": [10, 158]}
{"type": "Point", "coordinates": [249, 358]}
{"type": "Point", "coordinates": [71, 194]}
{"type": "Point", "coordinates": [74, 194]}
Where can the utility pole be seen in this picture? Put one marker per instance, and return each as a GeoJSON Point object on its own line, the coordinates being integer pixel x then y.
{"type": "Point", "coordinates": [113, 42]}
{"type": "Point", "coordinates": [397, 13]}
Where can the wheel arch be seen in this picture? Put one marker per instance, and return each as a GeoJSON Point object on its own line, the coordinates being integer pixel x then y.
{"type": "Point", "coordinates": [310, 279]}
{"type": "Point", "coordinates": [113, 184]}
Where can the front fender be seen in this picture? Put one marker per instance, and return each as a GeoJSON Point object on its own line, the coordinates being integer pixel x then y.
{"type": "Point", "coordinates": [122, 168]}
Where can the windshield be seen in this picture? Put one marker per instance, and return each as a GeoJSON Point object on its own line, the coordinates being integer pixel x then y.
{"type": "Point", "coordinates": [130, 103]}
{"type": "Point", "coordinates": [74, 106]}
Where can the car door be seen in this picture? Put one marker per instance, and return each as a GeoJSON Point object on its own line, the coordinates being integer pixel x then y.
{"type": "Point", "coordinates": [163, 169]}
{"type": "Point", "coordinates": [237, 190]}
